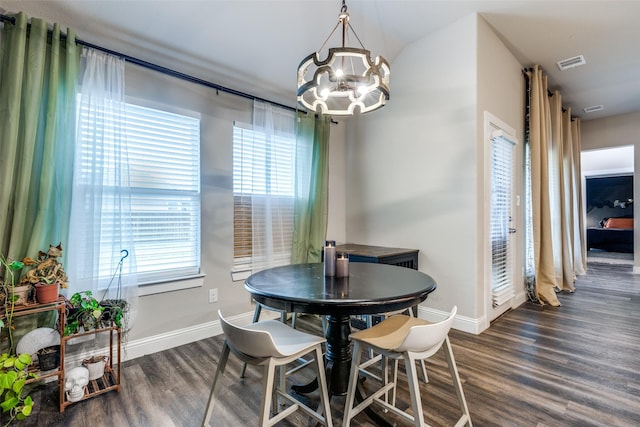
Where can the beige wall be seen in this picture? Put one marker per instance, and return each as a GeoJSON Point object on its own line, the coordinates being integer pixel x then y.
{"type": "Point", "coordinates": [415, 168]}
{"type": "Point", "coordinates": [412, 166]}
{"type": "Point", "coordinates": [501, 92]}
{"type": "Point", "coordinates": [611, 131]}
{"type": "Point", "coordinates": [336, 224]}
{"type": "Point", "coordinates": [618, 131]}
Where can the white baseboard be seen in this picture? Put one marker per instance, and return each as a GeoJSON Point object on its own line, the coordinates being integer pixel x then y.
{"type": "Point", "coordinates": [178, 337]}
{"type": "Point", "coordinates": [519, 299]}
{"type": "Point", "coordinates": [160, 342]}
{"type": "Point", "coordinates": [462, 323]}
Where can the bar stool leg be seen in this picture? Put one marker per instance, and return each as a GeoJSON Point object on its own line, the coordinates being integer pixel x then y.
{"type": "Point", "coordinates": [219, 372]}
{"type": "Point", "coordinates": [353, 383]}
{"type": "Point", "coordinates": [268, 402]}
{"type": "Point", "coordinates": [256, 317]}
{"type": "Point", "coordinates": [455, 377]}
{"type": "Point", "coordinates": [414, 390]}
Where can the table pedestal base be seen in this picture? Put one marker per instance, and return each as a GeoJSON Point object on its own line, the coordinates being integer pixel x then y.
{"type": "Point", "coordinates": [338, 365]}
{"type": "Point", "coordinates": [338, 357]}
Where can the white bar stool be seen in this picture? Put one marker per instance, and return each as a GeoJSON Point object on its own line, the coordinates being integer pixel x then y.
{"type": "Point", "coordinates": [283, 319]}
{"type": "Point", "coordinates": [373, 358]}
{"type": "Point", "coordinates": [411, 339]}
{"type": "Point", "coordinates": [272, 344]}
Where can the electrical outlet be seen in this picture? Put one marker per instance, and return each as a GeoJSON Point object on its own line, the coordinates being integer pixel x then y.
{"type": "Point", "coordinates": [213, 295]}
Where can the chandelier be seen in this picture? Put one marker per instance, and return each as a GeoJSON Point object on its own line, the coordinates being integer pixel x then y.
{"type": "Point", "coordinates": [348, 79]}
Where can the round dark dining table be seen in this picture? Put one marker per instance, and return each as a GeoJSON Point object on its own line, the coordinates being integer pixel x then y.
{"type": "Point", "coordinates": [370, 288]}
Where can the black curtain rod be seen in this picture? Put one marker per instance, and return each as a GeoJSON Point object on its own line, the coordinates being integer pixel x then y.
{"type": "Point", "coordinates": [162, 69]}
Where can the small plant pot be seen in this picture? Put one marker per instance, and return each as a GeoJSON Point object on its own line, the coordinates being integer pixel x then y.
{"type": "Point", "coordinates": [22, 292]}
{"type": "Point", "coordinates": [96, 366]}
{"type": "Point", "coordinates": [49, 358]}
{"type": "Point", "coordinates": [46, 293]}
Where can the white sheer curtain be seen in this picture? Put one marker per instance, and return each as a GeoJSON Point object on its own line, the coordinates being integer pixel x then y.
{"type": "Point", "coordinates": [101, 223]}
{"type": "Point", "coordinates": [272, 179]}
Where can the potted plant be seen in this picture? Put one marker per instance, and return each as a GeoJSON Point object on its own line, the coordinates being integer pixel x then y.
{"type": "Point", "coordinates": [13, 377]}
{"type": "Point", "coordinates": [84, 312]}
{"type": "Point", "coordinates": [114, 311]}
{"type": "Point", "coordinates": [46, 274]}
{"type": "Point", "coordinates": [49, 357]}
{"type": "Point", "coordinates": [96, 365]}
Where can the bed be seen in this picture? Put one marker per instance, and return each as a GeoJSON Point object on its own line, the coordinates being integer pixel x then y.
{"type": "Point", "coordinates": [613, 235]}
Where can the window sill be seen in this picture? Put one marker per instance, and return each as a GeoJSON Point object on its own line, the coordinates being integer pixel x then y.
{"type": "Point", "coordinates": [178, 284]}
{"type": "Point", "coordinates": [240, 275]}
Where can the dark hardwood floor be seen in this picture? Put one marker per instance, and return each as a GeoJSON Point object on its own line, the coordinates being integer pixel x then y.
{"type": "Point", "coordinates": [574, 365]}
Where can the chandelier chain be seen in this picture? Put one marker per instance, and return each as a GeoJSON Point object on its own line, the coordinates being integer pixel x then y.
{"type": "Point", "coordinates": [329, 38]}
{"type": "Point", "coordinates": [356, 34]}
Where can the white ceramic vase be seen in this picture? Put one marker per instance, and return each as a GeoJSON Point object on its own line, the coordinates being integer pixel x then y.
{"type": "Point", "coordinates": [96, 369]}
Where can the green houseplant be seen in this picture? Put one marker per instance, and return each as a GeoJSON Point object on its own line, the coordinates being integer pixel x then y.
{"type": "Point", "coordinates": [114, 311]}
{"type": "Point", "coordinates": [84, 311]}
{"type": "Point", "coordinates": [13, 368]}
{"type": "Point", "coordinates": [13, 377]}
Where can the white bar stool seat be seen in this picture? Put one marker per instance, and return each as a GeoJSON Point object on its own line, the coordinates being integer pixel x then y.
{"type": "Point", "coordinates": [411, 339]}
{"type": "Point", "coordinates": [283, 319]}
{"type": "Point", "coordinates": [378, 357]}
{"type": "Point", "coordinates": [272, 344]}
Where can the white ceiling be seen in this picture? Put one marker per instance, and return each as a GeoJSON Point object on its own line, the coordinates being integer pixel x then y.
{"type": "Point", "coordinates": [255, 46]}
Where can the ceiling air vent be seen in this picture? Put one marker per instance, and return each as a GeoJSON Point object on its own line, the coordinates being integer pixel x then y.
{"type": "Point", "coordinates": [593, 108]}
{"type": "Point", "coordinates": [576, 61]}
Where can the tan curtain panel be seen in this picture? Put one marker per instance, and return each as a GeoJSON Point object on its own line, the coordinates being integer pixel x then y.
{"type": "Point", "coordinates": [555, 204]}
{"type": "Point", "coordinates": [580, 252]}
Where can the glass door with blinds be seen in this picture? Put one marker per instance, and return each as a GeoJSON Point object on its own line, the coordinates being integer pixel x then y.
{"type": "Point", "coordinates": [502, 228]}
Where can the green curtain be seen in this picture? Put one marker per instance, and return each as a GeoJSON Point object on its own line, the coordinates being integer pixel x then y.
{"type": "Point", "coordinates": [312, 176]}
{"type": "Point", "coordinates": [38, 79]}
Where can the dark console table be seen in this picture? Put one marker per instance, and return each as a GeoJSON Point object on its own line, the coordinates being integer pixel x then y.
{"type": "Point", "coordinates": [380, 255]}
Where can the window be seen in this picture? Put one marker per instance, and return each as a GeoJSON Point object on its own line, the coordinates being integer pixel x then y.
{"type": "Point", "coordinates": [164, 185]}
{"type": "Point", "coordinates": [263, 190]}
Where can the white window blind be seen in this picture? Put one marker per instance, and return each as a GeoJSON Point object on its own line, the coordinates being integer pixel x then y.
{"type": "Point", "coordinates": [263, 179]}
{"type": "Point", "coordinates": [501, 196]}
{"type": "Point", "coordinates": [164, 185]}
